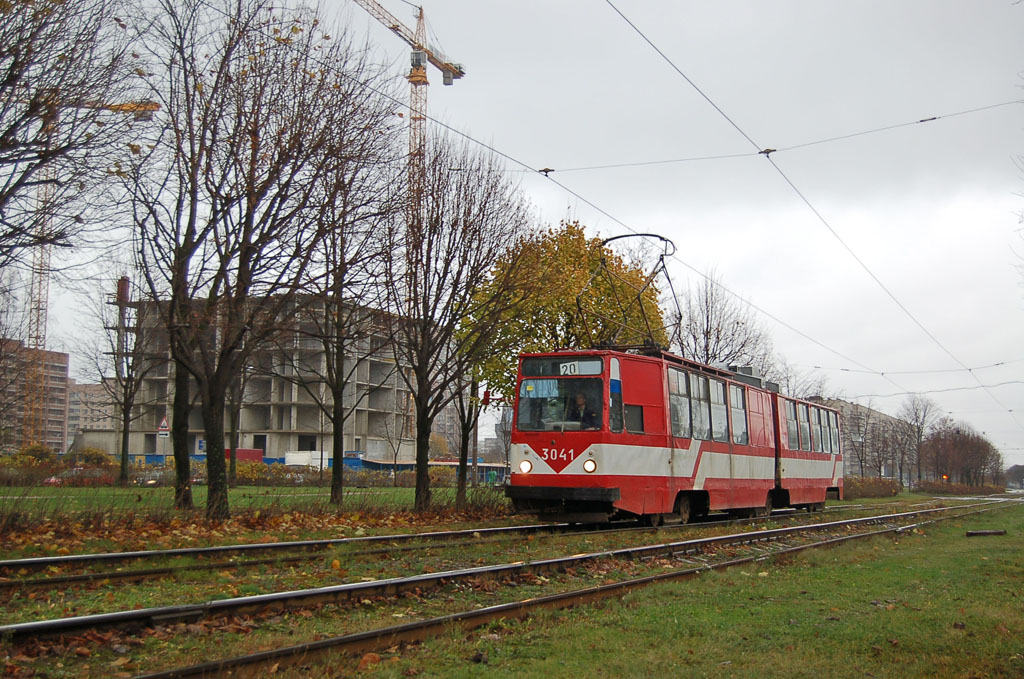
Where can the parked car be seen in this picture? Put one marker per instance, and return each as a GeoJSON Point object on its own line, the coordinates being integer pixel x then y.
{"type": "Point", "coordinates": [155, 477]}
{"type": "Point", "coordinates": [81, 476]}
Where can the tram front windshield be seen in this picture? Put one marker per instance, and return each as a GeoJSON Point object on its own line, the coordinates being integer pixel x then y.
{"type": "Point", "coordinates": [566, 404]}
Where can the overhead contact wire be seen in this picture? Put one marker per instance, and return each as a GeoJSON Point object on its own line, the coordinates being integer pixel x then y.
{"type": "Point", "coordinates": [767, 152]}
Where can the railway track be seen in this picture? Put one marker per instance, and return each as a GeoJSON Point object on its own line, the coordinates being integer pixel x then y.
{"type": "Point", "coordinates": [382, 638]}
{"type": "Point", "coordinates": [310, 549]}
{"type": "Point", "coordinates": [389, 587]}
{"type": "Point", "coordinates": [58, 561]}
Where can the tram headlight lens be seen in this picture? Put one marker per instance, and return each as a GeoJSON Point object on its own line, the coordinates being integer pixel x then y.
{"type": "Point", "coordinates": [525, 466]}
{"type": "Point", "coordinates": [589, 466]}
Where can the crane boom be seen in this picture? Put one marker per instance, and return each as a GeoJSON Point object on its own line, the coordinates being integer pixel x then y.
{"type": "Point", "coordinates": [421, 55]}
{"type": "Point", "coordinates": [392, 23]}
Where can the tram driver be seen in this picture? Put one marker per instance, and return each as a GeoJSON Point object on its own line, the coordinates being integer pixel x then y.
{"type": "Point", "coordinates": [582, 413]}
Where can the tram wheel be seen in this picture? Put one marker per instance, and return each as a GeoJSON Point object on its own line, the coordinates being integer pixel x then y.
{"type": "Point", "coordinates": [683, 508]}
{"type": "Point", "coordinates": [654, 520]}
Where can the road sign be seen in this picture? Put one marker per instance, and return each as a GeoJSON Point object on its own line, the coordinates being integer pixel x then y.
{"type": "Point", "coordinates": [164, 430]}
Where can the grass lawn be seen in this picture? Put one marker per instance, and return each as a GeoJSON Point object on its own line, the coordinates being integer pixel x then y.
{"type": "Point", "coordinates": [932, 604]}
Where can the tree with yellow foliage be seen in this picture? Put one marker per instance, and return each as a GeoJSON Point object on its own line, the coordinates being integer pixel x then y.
{"type": "Point", "coordinates": [583, 296]}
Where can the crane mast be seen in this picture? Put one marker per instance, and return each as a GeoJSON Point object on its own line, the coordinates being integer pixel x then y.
{"type": "Point", "coordinates": [422, 54]}
{"type": "Point", "coordinates": [34, 418]}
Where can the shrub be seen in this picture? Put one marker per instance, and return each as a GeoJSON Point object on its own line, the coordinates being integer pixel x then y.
{"type": "Point", "coordinates": [96, 457]}
{"type": "Point", "coordinates": [39, 452]}
{"type": "Point", "coordinates": [941, 488]}
{"type": "Point", "coordinates": [23, 469]}
{"type": "Point", "coordinates": [442, 477]}
{"type": "Point", "coordinates": [863, 486]}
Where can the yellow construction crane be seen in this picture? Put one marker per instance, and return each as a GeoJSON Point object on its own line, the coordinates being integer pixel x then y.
{"type": "Point", "coordinates": [34, 420]}
{"type": "Point", "coordinates": [421, 54]}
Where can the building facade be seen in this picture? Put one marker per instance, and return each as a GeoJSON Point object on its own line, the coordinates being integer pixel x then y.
{"type": "Point", "coordinates": [91, 411]}
{"type": "Point", "coordinates": [873, 443]}
{"type": "Point", "coordinates": [283, 400]}
{"type": "Point", "coordinates": [53, 416]}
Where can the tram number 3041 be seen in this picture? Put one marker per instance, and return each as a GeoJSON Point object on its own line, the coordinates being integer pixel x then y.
{"type": "Point", "coordinates": [557, 454]}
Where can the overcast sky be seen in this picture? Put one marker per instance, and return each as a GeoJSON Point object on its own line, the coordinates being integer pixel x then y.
{"type": "Point", "coordinates": [930, 210]}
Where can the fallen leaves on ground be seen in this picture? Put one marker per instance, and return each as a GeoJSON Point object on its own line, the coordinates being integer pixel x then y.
{"type": "Point", "coordinates": [68, 535]}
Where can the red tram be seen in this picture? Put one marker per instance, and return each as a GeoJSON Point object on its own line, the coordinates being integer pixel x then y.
{"type": "Point", "coordinates": [605, 434]}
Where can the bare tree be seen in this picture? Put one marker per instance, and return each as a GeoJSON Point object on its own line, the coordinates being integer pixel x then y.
{"type": "Point", "coordinates": [323, 358]}
{"type": "Point", "coordinates": [236, 399]}
{"type": "Point", "coordinates": [904, 440]}
{"type": "Point", "coordinates": [468, 406]}
{"type": "Point", "coordinates": [442, 256]}
{"type": "Point", "coordinates": [395, 430]}
{"type": "Point", "coordinates": [956, 452]}
{"type": "Point", "coordinates": [362, 199]}
{"type": "Point", "coordinates": [919, 412]}
{"type": "Point", "coordinates": [792, 381]}
{"type": "Point", "coordinates": [67, 80]}
{"type": "Point", "coordinates": [857, 431]}
{"type": "Point", "coordinates": [718, 327]}
{"type": "Point", "coordinates": [124, 355]}
{"type": "Point", "coordinates": [504, 430]}
{"type": "Point", "coordinates": [887, 447]}
{"type": "Point", "coordinates": [235, 197]}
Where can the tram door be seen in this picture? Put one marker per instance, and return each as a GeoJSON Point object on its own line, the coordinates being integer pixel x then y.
{"type": "Point", "coordinates": [644, 418]}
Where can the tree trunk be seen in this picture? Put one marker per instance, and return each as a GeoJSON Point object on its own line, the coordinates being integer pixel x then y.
{"type": "Point", "coordinates": [235, 415]}
{"type": "Point", "coordinates": [469, 414]}
{"type": "Point", "coordinates": [476, 452]}
{"type": "Point", "coordinates": [338, 449]}
{"type": "Point", "coordinates": [179, 439]}
{"type": "Point", "coordinates": [466, 428]}
{"type": "Point", "coordinates": [122, 478]}
{"type": "Point", "coordinates": [422, 501]}
{"type": "Point", "coordinates": [216, 469]}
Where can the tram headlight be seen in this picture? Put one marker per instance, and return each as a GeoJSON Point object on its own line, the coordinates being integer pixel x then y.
{"type": "Point", "coordinates": [525, 467]}
{"type": "Point", "coordinates": [589, 466]}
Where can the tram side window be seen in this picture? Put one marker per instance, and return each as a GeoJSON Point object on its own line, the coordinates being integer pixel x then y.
{"type": "Point", "coordinates": [679, 403]}
{"type": "Point", "coordinates": [826, 432]}
{"type": "Point", "coordinates": [615, 397]}
{"type": "Point", "coordinates": [816, 425]}
{"type": "Point", "coordinates": [634, 419]}
{"type": "Point", "coordinates": [719, 412]}
{"type": "Point", "coordinates": [835, 433]}
{"type": "Point", "coordinates": [805, 426]}
{"type": "Point", "coordinates": [700, 407]}
{"type": "Point", "coordinates": [791, 429]}
{"type": "Point", "coordinates": [738, 405]}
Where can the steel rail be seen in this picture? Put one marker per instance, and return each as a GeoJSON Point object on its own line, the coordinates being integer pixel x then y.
{"type": "Point", "coordinates": [189, 613]}
{"type": "Point", "coordinates": [41, 562]}
{"type": "Point", "coordinates": [414, 632]}
{"type": "Point", "coordinates": [146, 573]}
